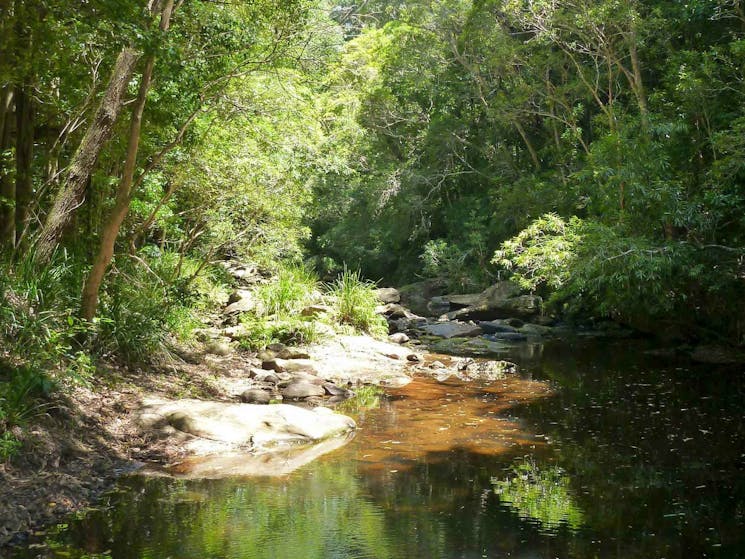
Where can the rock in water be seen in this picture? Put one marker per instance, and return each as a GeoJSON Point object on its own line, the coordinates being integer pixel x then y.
{"type": "Point", "coordinates": [256, 396]}
{"type": "Point", "coordinates": [299, 389]}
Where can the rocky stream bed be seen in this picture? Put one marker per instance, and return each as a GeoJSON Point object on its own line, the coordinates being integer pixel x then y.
{"type": "Point", "coordinates": [225, 411]}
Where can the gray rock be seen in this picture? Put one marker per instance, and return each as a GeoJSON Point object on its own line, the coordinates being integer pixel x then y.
{"type": "Point", "coordinates": [299, 389]}
{"type": "Point", "coordinates": [268, 377]}
{"type": "Point", "coordinates": [496, 326]}
{"type": "Point", "coordinates": [240, 306]}
{"type": "Point", "coordinates": [500, 300]}
{"type": "Point", "coordinates": [238, 295]}
{"type": "Point", "coordinates": [206, 334]}
{"type": "Point", "coordinates": [333, 390]}
{"type": "Point", "coordinates": [535, 330]}
{"type": "Point", "coordinates": [506, 336]}
{"type": "Point", "coordinates": [393, 311]}
{"type": "Point", "coordinates": [234, 332]}
{"type": "Point", "coordinates": [293, 353]}
{"type": "Point", "coordinates": [256, 396]}
{"type": "Point", "coordinates": [452, 330]}
{"type": "Point", "coordinates": [289, 365]}
{"type": "Point", "coordinates": [266, 355]}
{"type": "Point", "coordinates": [471, 346]}
{"type": "Point", "coordinates": [488, 370]}
{"type": "Point", "coordinates": [465, 300]}
{"type": "Point", "coordinates": [221, 348]}
{"type": "Point", "coordinates": [399, 338]}
{"type": "Point", "coordinates": [438, 305]}
{"type": "Point", "coordinates": [388, 295]}
{"type": "Point", "coordinates": [284, 352]}
{"type": "Point", "coordinates": [416, 296]}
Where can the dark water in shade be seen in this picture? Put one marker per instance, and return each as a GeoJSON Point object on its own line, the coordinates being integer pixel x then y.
{"type": "Point", "coordinates": [595, 451]}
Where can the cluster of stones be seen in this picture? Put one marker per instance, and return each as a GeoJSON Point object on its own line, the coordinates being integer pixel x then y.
{"type": "Point", "coordinates": [289, 374]}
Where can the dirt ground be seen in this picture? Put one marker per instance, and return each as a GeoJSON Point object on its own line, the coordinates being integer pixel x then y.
{"type": "Point", "coordinates": [87, 438]}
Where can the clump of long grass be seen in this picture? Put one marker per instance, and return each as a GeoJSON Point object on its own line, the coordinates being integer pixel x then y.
{"type": "Point", "coordinates": [355, 303]}
{"type": "Point", "coordinates": [292, 289]}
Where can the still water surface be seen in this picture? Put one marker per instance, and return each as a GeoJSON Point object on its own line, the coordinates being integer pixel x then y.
{"type": "Point", "coordinates": [595, 450]}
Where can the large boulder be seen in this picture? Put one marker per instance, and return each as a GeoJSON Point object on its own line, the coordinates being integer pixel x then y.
{"type": "Point", "coordinates": [415, 296]}
{"type": "Point", "coordinates": [244, 424]}
{"type": "Point", "coordinates": [388, 295]}
{"type": "Point", "coordinates": [500, 300]}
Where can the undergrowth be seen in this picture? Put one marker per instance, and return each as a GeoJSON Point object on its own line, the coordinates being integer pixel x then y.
{"type": "Point", "coordinates": [351, 301]}
{"type": "Point", "coordinates": [355, 303]}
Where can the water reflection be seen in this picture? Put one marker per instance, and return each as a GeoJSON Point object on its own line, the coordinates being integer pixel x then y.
{"type": "Point", "coordinates": [540, 495]}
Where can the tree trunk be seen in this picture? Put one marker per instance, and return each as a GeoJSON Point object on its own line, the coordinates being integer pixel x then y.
{"type": "Point", "coordinates": [24, 158]}
{"type": "Point", "coordinates": [89, 299]}
{"type": "Point", "coordinates": [638, 84]}
{"type": "Point", "coordinates": [7, 186]}
{"type": "Point", "coordinates": [110, 231]}
{"type": "Point", "coordinates": [71, 195]}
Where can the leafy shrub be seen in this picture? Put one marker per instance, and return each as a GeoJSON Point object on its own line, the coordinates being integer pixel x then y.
{"type": "Point", "coordinates": [587, 267]}
{"type": "Point", "coordinates": [9, 445]}
{"type": "Point", "coordinates": [24, 394]}
{"type": "Point", "coordinates": [355, 303]}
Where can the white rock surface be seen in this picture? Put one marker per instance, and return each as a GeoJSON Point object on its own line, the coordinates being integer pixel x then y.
{"type": "Point", "coordinates": [245, 424]}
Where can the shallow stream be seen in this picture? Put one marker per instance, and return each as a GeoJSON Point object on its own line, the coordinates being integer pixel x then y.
{"type": "Point", "coordinates": [594, 450]}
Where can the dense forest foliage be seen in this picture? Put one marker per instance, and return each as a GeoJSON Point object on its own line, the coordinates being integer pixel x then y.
{"type": "Point", "coordinates": [591, 150]}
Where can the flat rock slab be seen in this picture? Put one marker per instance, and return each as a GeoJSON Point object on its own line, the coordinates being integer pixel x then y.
{"type": "Point", "coordinates": [449, 330]}
{"type": "Point", "coordinates": [244, 424]}
{"type": "Point", "coordinates": [361, 360]}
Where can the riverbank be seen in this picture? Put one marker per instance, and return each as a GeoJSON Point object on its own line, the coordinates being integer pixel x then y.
{"type": "Point", "coordinates": [91, 434]}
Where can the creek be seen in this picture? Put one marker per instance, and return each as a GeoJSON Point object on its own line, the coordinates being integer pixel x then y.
{"type": "Point", "coordinates": [595, 449]}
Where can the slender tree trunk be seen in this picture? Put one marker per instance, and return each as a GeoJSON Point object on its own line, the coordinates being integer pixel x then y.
{"type": "Point", "coordinates": [121, 206]}
{"type": "Point", "coordinates": [638, 85]}
{"type": "Point", "coordinates": [529, 145]}
{"type": "Point", "coordinates": [72, 193]}
{"type": "Point", "coordinates": [24, 158]}
{"type": "Point", "coordinates": [7, 186]}
{"type": "Point", "coordinates": [89, 299]}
